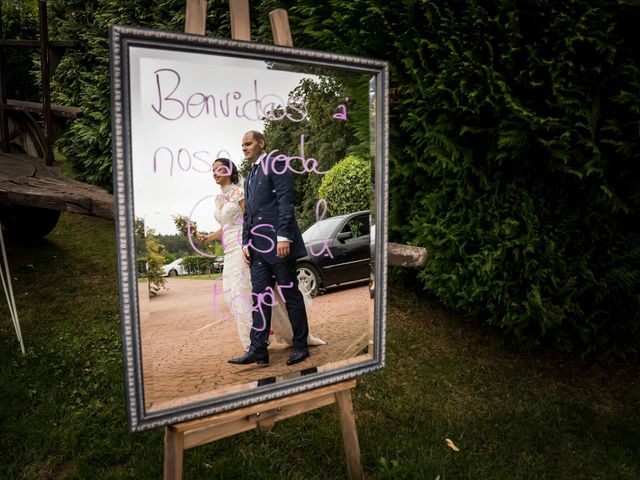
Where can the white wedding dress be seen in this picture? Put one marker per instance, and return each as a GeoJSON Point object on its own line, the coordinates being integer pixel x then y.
{"type": "Point", "coordinates": [236, 278]}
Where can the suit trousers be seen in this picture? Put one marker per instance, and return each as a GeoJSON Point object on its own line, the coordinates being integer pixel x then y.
{"type": "Point", "coordinates": [263, 277]}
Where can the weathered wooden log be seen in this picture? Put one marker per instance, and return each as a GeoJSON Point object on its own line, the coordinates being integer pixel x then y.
{"type": "Point", "coordinates": [63, 44]}
{"type": "Point", "coordinates": [406, 255]}
{"type": "Point", "coordinates": [36, 107]}
{"type": "Point", "coordinates": [25, 180]}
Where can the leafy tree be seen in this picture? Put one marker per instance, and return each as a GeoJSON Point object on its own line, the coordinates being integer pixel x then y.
{"type": "Point", "coordinates": [325, 139]}
{"type": "Point", "coordinates": [141, 265]}
{"type": "Point", "coordinates": [151, 256]}
{"type": "Point", "coordinates": [347, 186]}
{"type": "Point", "coordinates": [155, 262]}
{"type": "Point", "coordinates": [138, 227]}
{"type": "Point", "coordinates": [177, 245]}
{"type": "Point", "coordinates": [141, 244]}
{"type": "Point", "coordinates": [185, 226]}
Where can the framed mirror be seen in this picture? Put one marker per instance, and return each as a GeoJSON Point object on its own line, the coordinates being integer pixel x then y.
{"type": "Point", "coordinates": [187, 112]}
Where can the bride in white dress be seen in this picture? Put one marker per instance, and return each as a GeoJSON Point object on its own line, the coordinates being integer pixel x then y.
{"type": "Point", "coordinates": [236, 279]}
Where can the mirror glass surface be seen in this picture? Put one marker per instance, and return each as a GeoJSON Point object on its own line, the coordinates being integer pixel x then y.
{"type": "Point", "coordinates": [185, 110]}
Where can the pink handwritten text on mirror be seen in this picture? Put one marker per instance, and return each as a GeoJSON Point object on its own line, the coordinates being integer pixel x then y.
{"type": "Point", "coordinates": [173, 104]}
{"type": "Point", "coordinates": [325, 250]}
{"type": "Point", "coordinates": [249, 302]}
{"type": "Point", "coordinates": [182, 160]}
{"type": "Point", "coordinates": [280, 163]}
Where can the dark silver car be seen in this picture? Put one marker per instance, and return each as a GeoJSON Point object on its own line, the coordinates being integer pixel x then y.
{"type": "Point", "coordinates": [337, 252]}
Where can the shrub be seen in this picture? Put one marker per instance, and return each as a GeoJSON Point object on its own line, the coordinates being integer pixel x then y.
{"type": "Point", "coordinates": [155, 262]}
{"type": "Point", "coordinates": [347, 186]}
{"type": "Point", "coordinates": [197, 264]}
{"type": "Point", "coordinates": [141, 266]}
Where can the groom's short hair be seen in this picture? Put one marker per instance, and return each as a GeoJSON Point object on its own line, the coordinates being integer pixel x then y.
{"type": "Point", "coordinates": [258, 136]}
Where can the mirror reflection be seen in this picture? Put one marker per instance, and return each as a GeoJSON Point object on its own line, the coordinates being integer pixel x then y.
{"type": "Point", "coordinates": [253, 196]}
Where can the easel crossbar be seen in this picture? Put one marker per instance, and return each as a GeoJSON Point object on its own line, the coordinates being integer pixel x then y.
{"type": "Point", "coordinates": [263, 415]}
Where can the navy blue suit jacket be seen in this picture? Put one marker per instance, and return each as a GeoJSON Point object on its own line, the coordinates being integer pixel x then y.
{"type": "Point", "coordinates": [269, 213]}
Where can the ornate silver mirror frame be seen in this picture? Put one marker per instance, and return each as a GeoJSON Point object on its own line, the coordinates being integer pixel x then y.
{"type": "Point", "coordinates": [124, 41]}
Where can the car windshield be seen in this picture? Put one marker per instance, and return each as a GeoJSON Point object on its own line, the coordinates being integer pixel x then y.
{"type": "Point", "coordinates": [321, 230]}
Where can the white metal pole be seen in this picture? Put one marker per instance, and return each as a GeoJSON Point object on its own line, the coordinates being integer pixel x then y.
{"type": "Point", "coordinates": [8, 291]}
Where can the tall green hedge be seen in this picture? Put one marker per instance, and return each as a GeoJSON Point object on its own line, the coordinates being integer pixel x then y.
{"type": "Point", "coordinates": [514, 156]}
{"type": "Point", "coordinates": [514, 145]}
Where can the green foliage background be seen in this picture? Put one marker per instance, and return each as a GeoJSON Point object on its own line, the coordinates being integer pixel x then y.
{"type": "Point", "coordinates": [21, 66]}
{"type": "Point", "coordinates": [514, 144]}
{"type": "Point", "coordinates": [82, 78]}
{"type": "Point", "coordinates": [514, 155]}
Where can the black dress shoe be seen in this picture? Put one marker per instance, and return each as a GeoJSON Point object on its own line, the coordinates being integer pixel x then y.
{"type": "Point", "coordinates": [297, 356]}
{"type": "Point", "coordinates": [251, 357]}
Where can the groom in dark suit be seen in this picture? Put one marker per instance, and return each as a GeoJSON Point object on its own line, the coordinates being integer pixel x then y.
{"type": "Point", "coordinates": [271, 243]}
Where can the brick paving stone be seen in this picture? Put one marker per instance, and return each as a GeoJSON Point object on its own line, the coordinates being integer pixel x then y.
{"type": "Point", "coordinates": [186, 342]}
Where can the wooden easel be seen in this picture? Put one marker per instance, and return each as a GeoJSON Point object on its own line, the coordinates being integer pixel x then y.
{"type": "Point", "coordinates": [179, 437]}
{"type": "Point", "coordinates": [191, 434]}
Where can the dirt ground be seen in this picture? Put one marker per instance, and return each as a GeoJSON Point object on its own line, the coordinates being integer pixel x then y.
{"type": "Point", "coordinates": [186, 341]}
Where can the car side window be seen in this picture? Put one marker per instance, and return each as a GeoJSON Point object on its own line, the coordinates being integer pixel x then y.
{"type": "Point", "coordinates": [358, 226]}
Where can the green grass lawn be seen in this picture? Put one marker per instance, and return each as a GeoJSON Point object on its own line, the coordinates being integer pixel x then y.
{"type": "Point", "coordinates": [511, 415]}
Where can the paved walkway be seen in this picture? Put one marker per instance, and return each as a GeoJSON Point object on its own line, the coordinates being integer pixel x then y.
{"type": "Point", "coordinates": [186, 345]}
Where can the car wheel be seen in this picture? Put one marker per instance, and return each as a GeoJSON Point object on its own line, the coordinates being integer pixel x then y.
{"type": "Point", "coordinates": [309, 279]}
{"type": "Point", "coordinates": [173, 273]}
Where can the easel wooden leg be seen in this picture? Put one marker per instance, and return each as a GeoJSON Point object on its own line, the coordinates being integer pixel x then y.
{"type": "Point", "coordinates": [350, 434]}
{"type": "Point", "coordinates": [173, 453]}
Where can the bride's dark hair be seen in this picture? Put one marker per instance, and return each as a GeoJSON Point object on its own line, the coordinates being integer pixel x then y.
{"type": "Point", "coordinates": [231, 166]}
